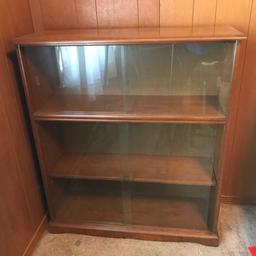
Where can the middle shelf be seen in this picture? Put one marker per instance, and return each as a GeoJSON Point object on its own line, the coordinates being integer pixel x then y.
{"type": "Point", "coordinates": [136, 168]}
{"type": "Point", "coordinates": [182, 154]}
{"type": "Point", "coordinates": [139, 108]}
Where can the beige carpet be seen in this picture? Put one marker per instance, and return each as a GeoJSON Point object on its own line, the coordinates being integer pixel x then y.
{"type": "Point", "coordinates": [237, 231]}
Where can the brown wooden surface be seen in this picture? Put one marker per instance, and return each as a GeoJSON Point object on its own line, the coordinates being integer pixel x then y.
{"type": "Point", "coordinates": [132, 35]}
{"type": "Point", "coordinates": [137, 168]}
{"type": "Point", "coordinates": [173, 13]}
{"type": "Point", "coordinates": [132, 108]}
{"type": "Point", "coordinates": [138, 232]}
{"type": "Point", "coordinates": [149, 13]}
{"type": "Point", "coordinates": [21, 210]}
{"type": "Point", "coordinates": [238, 179]}
{"type": "Point", "coordinates": [204, 12]}
{"type": "Point", "coordinates": [239, 182]}
{"type": "Point", "coordinates": [234, 12]}
{"type": "Point", "coordinates": [36, 237]}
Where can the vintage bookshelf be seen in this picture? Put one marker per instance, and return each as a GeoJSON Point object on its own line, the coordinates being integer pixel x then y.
{"type": "Point", "coordinates": [131, 127]}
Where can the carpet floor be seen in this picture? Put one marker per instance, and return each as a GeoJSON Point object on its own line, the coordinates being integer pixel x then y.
{"type": "Point", "coordinates": [237, 231]}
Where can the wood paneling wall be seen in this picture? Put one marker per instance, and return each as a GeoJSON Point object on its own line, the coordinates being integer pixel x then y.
{"type": "Point", "coordinates": [239, 176]}
{"type": "Point", "coordinates": [241, 186]}
{"type": "Point", "coordinates": [21, 211]}
{"type": "Point", "coordinates": [61, 14]}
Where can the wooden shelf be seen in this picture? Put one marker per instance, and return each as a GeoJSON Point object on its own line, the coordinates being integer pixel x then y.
{"type": "Point", "coordinates": [107, 208]}
{"type": "Point", "coordinates": [192, 109]}
{"type": "Point", "coordinates": [132, 35]}
{"type": "Point", "coordinates": [136, 168]}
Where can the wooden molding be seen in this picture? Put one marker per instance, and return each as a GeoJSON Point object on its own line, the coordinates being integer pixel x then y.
{"type": "Point", "coordinates": [37, 236]}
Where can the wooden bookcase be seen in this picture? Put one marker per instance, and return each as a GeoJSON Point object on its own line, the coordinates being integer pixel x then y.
{"type": "Point", "coordinates": [131, 127]}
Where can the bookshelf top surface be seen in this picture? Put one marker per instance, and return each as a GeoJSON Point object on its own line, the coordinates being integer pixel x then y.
{"type": "Point", "coordinates": [131, 36]}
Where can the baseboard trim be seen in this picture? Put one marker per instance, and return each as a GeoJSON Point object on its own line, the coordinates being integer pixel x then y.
{"type": "Point", "coordinates": [36, 237]}
{"type": "Point", "coordinates": [237, 200]}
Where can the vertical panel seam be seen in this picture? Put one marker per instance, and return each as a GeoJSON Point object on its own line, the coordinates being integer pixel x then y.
{"type": "Point", "coordinates": [96, 10]}
{"type": "Point", "coordinates": [215, 16]}
{"type": "Point", "coordinates": [138, 14]}
{"type": "Point", "coordinates": [159, 13]}
{"type": "Point", "coordinates": [193, 13]}
{"type": "Point", "coordinates": [76, 11]}
{"type": "Point", "coordinates": [34, 23]}
{"type": "Point", "coordinates": [250, 18]}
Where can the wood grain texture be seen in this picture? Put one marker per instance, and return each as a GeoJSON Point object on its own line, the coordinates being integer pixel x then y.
{"type": "Point", "coordinates": [36, 14]}
{"type": "Point", "coordinates": [59, 14]}
{"type": "Point", "coordinates": [20, 17]}
{"type": "Point", "coordinates": [234, 12]}
{"type": "Point", "coordinates": [36, 237]}
{"type": "Point", "coordinates": [12, 196]}
{"type": "Point", "coordinates": [204, 12]}
{"type": "Point", "coordinates": [86, 13]}
{"type": "Point", "coordinates": [136, 232]}
{"type": "Point", "coordinates": [242, 175]}
{"type": "Point", "coordinates": [131, 36]}
{"type": "Point", "coordinates": [20, 191]}
{"type": "Point", "coordinates": [117, 13]}
{"type": "Point", "coordinates": [149, 13]}
{"type": "Point", "coordinates": [176, 13]}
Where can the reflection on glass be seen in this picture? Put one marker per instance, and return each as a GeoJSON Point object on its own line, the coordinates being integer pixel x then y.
{"type": "Point", "coordinates": [111, 144]}
{"type": "Point", "coordinates": [184, 69]}
{"type": "Point", "coordinates": [143, 79]}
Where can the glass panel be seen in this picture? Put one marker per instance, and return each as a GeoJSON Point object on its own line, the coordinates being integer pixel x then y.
{"type": "Point", "coordinates": [162, 206]}
{"type": "Point", "coordinates": [91, 201]}
{"type": "Point", "coordinates": [143, 151]}
{"type": "Point", "coordinates": [152, 174]}
{"type": "Point", "coordinates": [157, 81]}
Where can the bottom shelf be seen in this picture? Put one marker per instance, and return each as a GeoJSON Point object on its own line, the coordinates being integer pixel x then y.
{"type": "Point", "coordinates": [134, 204]}
{"type": "Point", "coordinates": [156, 211]}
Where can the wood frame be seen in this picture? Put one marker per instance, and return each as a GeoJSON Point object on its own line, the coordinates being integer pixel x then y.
{"type": "Point", "coordinates": [134, 36]}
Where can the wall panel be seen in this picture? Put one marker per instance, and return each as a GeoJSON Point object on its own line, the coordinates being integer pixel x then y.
{"type": "Point", "coordinates": [149, 13]}
{"type": "Point", "coordinates": [176, 13]}
{"type": "Point", "coordinates": [204, 12]}
{"type": "Point", "coordinates": [234, 12]}
{"type": "Point", "coordinates": [242, 174]}
{"type": "Point", "coordinates": [117, 13]}
{"type": "Point", "coordinates": [21, 207]}
{"type": "Point", "coordinates": [86, 13]}
{"type": "Point", "coordinates": [58, 14]}
{"type": "Point", "coordinates": [36, 15]}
